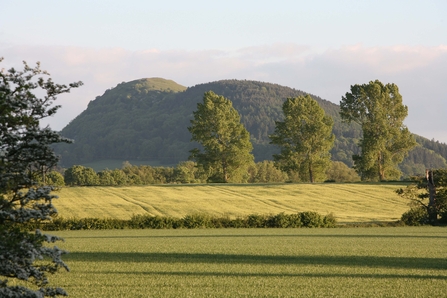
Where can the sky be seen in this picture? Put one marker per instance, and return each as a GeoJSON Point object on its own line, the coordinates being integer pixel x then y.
{"type": "Point", "coordinates": [321, 47]}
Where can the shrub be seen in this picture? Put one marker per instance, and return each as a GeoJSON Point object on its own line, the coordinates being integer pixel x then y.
{"type": "Point", "coordinates": [153, 222]}
{"type": "Point", "coordinates": [416, 216]}
{"type": "Point", "coordinates": [195, 221]}
{"type": "Point", "coordinates": [256, 221]}
{"type": "Point", "coordinates": [329, 221]}
{"type": "Point", "coordinates": [311, 219]}
{"type": "Point", "coordinates": [283, 220]}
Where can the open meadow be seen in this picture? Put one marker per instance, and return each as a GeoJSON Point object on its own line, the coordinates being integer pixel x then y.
{"type": "Point", "coordinates": [344, 262]}
{"type": "Point", "coordinates": [354, 202]}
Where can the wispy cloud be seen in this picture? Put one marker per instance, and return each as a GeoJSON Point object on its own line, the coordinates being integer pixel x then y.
{"type": "Point", "coordinates": [420, 72]}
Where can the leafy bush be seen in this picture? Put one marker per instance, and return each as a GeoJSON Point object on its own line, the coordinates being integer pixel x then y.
{"type": "Point", "coordinates": [195, 221]}
{"type": "Point", "coordinates": [416, 216]}
{"type": "Point", "coordinates": [329, 221]}
{"type": "Point", "coordinates": [283, 220]}
{"type": "Point", "coordinates": [153, 222]}
{"type": "Point", "coordinates": [312, 219]}
{"type": "Point", "coordinates": [256, 221]}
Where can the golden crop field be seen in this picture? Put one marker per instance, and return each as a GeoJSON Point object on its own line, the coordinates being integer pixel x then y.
{"type": "Point", "coordinates": [356, 202]}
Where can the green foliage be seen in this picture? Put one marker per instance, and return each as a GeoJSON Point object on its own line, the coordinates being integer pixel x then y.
{"type": "Point", "coordinates": [226, 143]}
{"type": "Point", "coordinates": [305, 139]}
{"type": "Point", "coordinates": [340, 172]}
{"type": "Point", "coordinates": [25, 158]}
{"type": "Point", "coordinates": [55, 178]}
{"type": "Point", "coordinates": [81, 176]}
{"type": "Point", "coordinates": [386, 141]}
{"type": "Point", "coordinates": [416, 216]}
{"type": "Point", "coordinates": [189, 172]}
{"type": "Point", "coordinates": [195, 221]}
{"type": "Point", "coordinates": [52, 178]}
{"type": "Point", "coordinates": [191, 221]}
{"type": "Point", "coordinates": [312, 219]}
{"type": "Point", "coordinates": [417, 194]}
{"type": "Point", "coordinates": [421, 158]}
{"type": "Point", "coordinates": [266, 172]}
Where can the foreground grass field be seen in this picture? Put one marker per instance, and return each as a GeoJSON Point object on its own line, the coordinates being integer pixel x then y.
{"type": "Point", "coordinates": [348, 202]}
{"type": "Point", "coordinates": [356, 262]}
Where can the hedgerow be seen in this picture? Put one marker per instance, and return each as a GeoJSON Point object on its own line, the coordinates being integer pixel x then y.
{"type": "Point", "coordinates": [192, 221]}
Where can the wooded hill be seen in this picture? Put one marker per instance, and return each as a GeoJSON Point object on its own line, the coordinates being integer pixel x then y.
{"type": "Point", "coordinates": [147, 120]}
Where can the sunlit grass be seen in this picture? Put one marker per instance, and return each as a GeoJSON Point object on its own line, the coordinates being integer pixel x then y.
{"type": "Point", "coordinates": [360, 262]}
{"type": "Point", "coordinates": [348, 202]}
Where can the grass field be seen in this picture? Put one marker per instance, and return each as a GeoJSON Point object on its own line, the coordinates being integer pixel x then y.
{"type": "Point", "coordinates": [354, 262]}
{"type": "Point", "coordinates": [348, 202]}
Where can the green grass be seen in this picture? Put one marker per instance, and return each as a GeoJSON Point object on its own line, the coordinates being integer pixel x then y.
{"type": "Point", "coordinates": [356, 262]}
{"type": "Point", "coordinates": [348, 202]}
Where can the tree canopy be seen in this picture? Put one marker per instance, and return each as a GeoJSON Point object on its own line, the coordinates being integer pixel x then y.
{"type": "Point", "coordinates": [25, 155]}
{"type": "Point", "coordinates": [379, 110]}
{"type": "Point", "coordinates": [226, 144]}
{"type": "Point", "coordinates": [305, 138]}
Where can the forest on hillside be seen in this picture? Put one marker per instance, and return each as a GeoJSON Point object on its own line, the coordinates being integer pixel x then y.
{"type": "Point", "coordinates": [147, 120]}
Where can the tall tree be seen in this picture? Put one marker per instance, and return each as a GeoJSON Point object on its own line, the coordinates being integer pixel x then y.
{"type": "Point", "coordinates": [226, 143]}
{"type": "Point", "coordinates": [25, 156]}
{"type": "Point", "coordinates": [305, 138]}
{"type": "Point", "coordinates": [378, 108]}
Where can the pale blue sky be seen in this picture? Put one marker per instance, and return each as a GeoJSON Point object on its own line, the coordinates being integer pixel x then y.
{"type": "Point", "coordinates": [196, 25]}
{"type": "Point", "coordinates": [321, 47]}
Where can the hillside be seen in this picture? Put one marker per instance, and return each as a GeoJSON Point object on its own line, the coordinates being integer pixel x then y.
{"type": "Point", "coordinates": [147, 120]}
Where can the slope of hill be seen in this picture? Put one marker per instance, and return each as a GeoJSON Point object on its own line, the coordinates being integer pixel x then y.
{"type": "Point", "coordinates": [147, 119]}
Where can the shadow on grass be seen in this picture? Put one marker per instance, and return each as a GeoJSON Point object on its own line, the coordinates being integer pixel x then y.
{"type": "Point", "coordinates": [349, 261]}
{"type": "Point", "coordinates": [244, 274]}
{"type": "Point", "coordinates": [261, 236]}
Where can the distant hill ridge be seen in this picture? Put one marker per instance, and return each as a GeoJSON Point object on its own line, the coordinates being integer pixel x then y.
{"type": "Point", "coordinates": [147, 120]}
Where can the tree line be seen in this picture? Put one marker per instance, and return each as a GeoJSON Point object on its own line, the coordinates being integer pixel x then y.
{"type": "Point", "coordinates": [305, 136]}
{"type": "Point", "coordinates": [183, 173]}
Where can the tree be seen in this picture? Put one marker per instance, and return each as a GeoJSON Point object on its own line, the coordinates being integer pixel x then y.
{"type": "Point", "coordinates": [427, 198]}
{"type": "Point", "coordinates": [81, 176]}
{"type": "Point", "coordinates": [305, 138]}
{"type": "Point", "coordinates": [188, 172]}
{"type": "Point", "coordinates": [266, 172]}
{"type": "Point", "coordinates": [379, 110]}
{"type": "Point", "coordinates": [25, 154]}
{"type": "Point", "coordinates": [340, 172]}
{"type": "Point", "coordinates": [226, 143]}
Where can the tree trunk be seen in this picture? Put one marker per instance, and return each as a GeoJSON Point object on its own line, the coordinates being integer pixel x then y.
{"type": "Point", "coordinates": [380, 168]}
{"type": "Point", "coordinates": [311, 175]}
{"type": "Point", "coordinates": [225, 172]}
{"type": "Point", "coordinates": [432, 212]}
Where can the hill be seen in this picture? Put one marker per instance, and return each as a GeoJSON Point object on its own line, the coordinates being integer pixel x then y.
{"type": "Point", "coordinates": [147, 120]}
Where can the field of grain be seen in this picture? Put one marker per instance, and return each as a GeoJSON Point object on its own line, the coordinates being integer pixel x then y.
{"type": "Point", "coordinates": [355, 202]}
{"type": "Point", "coordinates": [355, 262]}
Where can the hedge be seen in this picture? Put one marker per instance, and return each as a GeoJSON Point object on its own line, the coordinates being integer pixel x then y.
{"type": "Point", "coordinates": [193, 221]}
